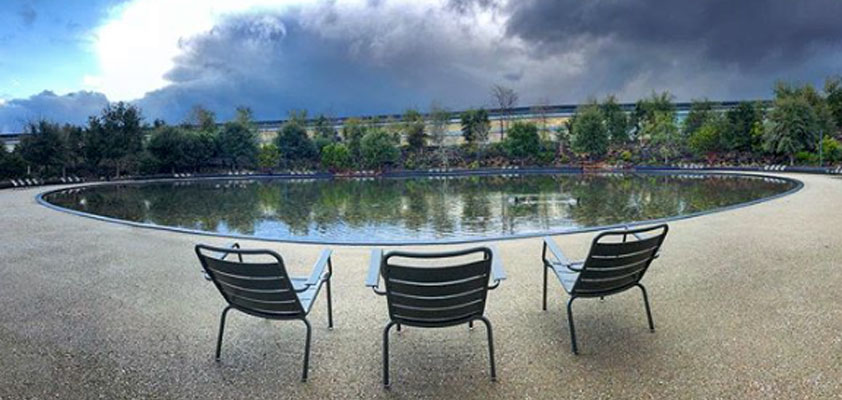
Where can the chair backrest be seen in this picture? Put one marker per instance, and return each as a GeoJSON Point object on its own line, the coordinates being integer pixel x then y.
{"type": "Point", "coordinates": [436, 295]}
{"type": "Point", "coordinates": [618, 260]}
{"type": "Point", "coordinates": [252, 281]}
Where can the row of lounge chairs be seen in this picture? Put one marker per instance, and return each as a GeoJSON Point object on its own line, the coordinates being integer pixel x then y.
{"type": "Point", "coordinates": [425, 289]}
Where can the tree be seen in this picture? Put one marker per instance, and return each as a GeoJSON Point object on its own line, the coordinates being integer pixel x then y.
{"type": "Point", "coordinates": [114, 138]}
{"type": "Point", "coordinates": [439, 121]}
{"type": "Point", "coordinates": [505, 98]}
{"type": "Point", "coordinates": [646, 109]}
{"type": "Point", "coordinates": [700, 112]}
{"type": "Point", "coordinates": [833, 96]}
{"type": "Point", "coordinates": [237, 144]}
{"type": "Point", "coordinates": [475, 126]}
{"type": "Point", "coordinates": [663, 134]}
{"type": "Point", "coordinates": [202, 118]}
{"type": "Point", "coordinates": [268, 156]}
{"type": "Point", "coordinates": [324, 132]}
{"type": "Point", "coordinates": [378, 149]}
{"type": "Point", "coordinates": [590, 135]}
{"type": "Point", "coordinates": [353, 131]}
{"type": "Point", "coordinates": [43, 147]}
{"type": "Point", "coordinates": [616, 121]}
{"type": "Point", "coordinates": [413, 126]}
{"type": "Point", "coordinates": [336, 157]}
{"type": "Point", "coordinates": [792, 127]}
{"type": "Point", "coordinates": [169, 146]}
{"type": "Point", "coordinates": [742, 120]}
{"type": "Point", "coordinates": [294, 144]}
{"type": "Point", "coordinates": [707, 138]}
{"type": "Point", "coordinates": [541, 110]}
{"type": "Point", "coordinates": [522, 140]}
{"type": "Point", "coordinates": [11, 164]}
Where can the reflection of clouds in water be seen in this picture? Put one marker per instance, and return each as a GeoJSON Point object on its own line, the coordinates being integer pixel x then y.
{"type": "Point", "coordinates": [395, 210]}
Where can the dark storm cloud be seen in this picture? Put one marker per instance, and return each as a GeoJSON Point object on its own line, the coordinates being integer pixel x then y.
{"type": "Point", "coordinates": [745, 33]}
{"type": "Point", "coordinates": [72, 108]}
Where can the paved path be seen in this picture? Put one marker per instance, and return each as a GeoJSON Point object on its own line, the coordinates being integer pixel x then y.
{"type": "Point", "coordinates": [747, 304]}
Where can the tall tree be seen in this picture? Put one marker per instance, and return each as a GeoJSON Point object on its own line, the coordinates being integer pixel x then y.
{"type": "Point", "coordinates": [43, 147]}
{"type": "Point", "coordinates": [413, 127]}
{"type": "Point", "coordinates": [237, 144]}
{"type": "Point", "coordinates": [700, 112]}
{"type": "Point", "coordinates": [439, 121]}
{"type": "Point", "coordinates": [589, 133]}
{"type": "Point", "coordinates": [663, 134]}
{"type": "Point", "coordinates": [742, 120]}
{"type": "Point", "coordinates": [505, 98]}
{"type": "Point", "coordinates": [792, 127]}
{"type": "Point", "coordinates": [115, 137]}
{"type": "Point", "coordinates": [293, 143]}
{"type": "Point", "coordinates": [616, 121]}
{"type": "Point", "coordinates": [646, 109]}
{"type": "Point", "coordinates": [168, 144]}
{"type": "Point", "coordinates": [833, 96]}
{"type": "Point", "coordinates": [475, 126]}
{"type": "Point", "coordinates": [202, 118]}
{"type": "Point", "coordinates": [353, 131]}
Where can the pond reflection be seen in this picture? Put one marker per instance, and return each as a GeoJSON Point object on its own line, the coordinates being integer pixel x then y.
{"type": "Point", "coordinates": [417, 209]}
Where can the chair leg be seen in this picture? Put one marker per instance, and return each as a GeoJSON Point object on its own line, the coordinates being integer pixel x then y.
{"type": "Point", "coordinates": [221, 330]}
{"type": "Point", "coordinates": [329, 306]}
{"type": "Point", "coordinates": [306, 351]}
{"type": "Point", "coordinates": [572, 328]}
{"type": "Point", "coordinates": [648, 311]}
{"type": "Point", "coordinates": [399, 327]}
{"type": "Point", "coordinates": [544, 305]}
{"type": "Point", "coordinates": [386, 353]}
{"type": "Point", "coordinates": [471, 324]}
{"type": "Point", "coordinates": [490, 347]}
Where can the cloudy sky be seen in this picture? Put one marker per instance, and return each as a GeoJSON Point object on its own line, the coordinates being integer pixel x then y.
{"type": "Point", "coordinates": [64, 60]}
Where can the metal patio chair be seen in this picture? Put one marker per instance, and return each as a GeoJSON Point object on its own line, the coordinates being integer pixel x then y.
{"type": "Point", "coordinates": [257, 284]}
{"type": "Point", "coordinates": [617, 261]}
{"type": "Point", "coordinates": [435, 296]}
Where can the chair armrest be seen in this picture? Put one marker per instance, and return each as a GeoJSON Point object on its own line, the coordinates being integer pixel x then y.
{"type": "Point", "coordinates": [497, 273]}
{"type": "Point", "coordinates": [372, 279]}
{"type": "Point", "coordinates": [319, 268]}
{"type": "Point", "coordinates": [556, 252]}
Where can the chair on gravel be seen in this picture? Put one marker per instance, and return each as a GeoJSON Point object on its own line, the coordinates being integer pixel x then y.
{"type": "Point", "coordinates": [435, 290]}
{"type": "Point", "coordinates": [616, 263]}
{"type": "Point", "coordinates": [257, 284]}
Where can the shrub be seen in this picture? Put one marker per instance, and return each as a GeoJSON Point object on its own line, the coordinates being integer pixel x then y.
{"type": "Point", "coordinates": [522, 140]}
{"type": "Point", "coordinates": [706, 139]}
{"type": "Point", "coordinates": [832, 149]}
{"type": "Point", "coordinates": [336, 157]}
{"type": "Point", "coordinates": [378, 149]}
{"type": "Point", "coordinates": [269, 156]}
{"type": "Point", "coordinates": [589, 133]}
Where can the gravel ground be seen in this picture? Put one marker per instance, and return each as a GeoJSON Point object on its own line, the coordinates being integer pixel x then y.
{"type": "Point", "coordinates": [747, 304]}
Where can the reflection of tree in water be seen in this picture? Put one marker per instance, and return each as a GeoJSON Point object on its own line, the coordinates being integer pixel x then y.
{"type": "Point", "coordinates": [430, 208]}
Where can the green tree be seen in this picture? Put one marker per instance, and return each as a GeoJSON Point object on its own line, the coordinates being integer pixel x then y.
{"type": "Point", "coordinates": [244, 116]}
{"type": "Point", "coordinates": [169, 146]}
{"type": "Point", "coordinates": [378, 149]}
{"type": "Point", "coordinates": [200, 148]}
{"type": "Point", "coordinates": [792, 127]}
{"type": "Point", "coordinates": [439, 121]}
{"type": "Point", "coordinates": [663, 134]}
{"type": "Point", "coordinates": [646, 110]}
{"type": "Point", "coordinates": [413, 126]}
{"type": "Point", "coordinates": [701, 111]}
{"type": "Point", "coordinates": [269, 156]}
{"type": "Point", "coordinates": [114, 138]}
{"type": "Point", "coordinates": [742, 120]}
{"type": "Point", "coordinates": [353, 131]}
{"type": "Point", "coordinates": [11, 164]}
{"type": "Point", "coordinates": [616, 121]}
{"type": "Point", "coordinates": [43, 147]}
{"type": "Point", "coordinates": [237, 145]}
{"type": "Point", "coordinates": [589, 133]}
{"type": "Point", "coordinates": [294, 144]}
{"type": "Point", "coordinates": [202, 118]}
{"type": "Point", "coordinates": [522, 140]}
{"type": "Point", "coordinates": [336, 157]}
{"type": "Point", "coordinates": [833, 96]}
{"type": "Point", "coordinates": [707, 138]}
{"type": "Point", "coordinates": [475, 126]}
{"type": "Point", "coordinates": [323, 133]}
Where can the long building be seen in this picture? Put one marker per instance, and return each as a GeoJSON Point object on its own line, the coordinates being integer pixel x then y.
{"type": "Point", "coordinates": [548, 117]}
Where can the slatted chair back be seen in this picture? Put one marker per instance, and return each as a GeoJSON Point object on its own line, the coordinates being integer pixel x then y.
{"type": "Point", "coordinates": [618, 260]}
{"type": "Point", "coordinates": [439, 295]}
{"type": "Point", "coordinates": [252, 281]}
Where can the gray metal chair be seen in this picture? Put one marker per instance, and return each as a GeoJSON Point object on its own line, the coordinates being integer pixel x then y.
{"type": "Point", "coordinates": [435, 296]}
{"type": "Point", "coordinates": [260, 286]}
{"type": "Point", "coordinates": [615, 264]}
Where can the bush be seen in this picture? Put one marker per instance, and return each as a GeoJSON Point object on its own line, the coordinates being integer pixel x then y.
{"type": "Point", "coordinates": [378, 149]}
{"type": "Point", "coordinates": [589, 133]}
{"type": "Point", "coordinates": [706, 139]}
{"type": "Point", "coordinates": [522, 140]}
{"type": "Point", "coordinates": [269, 156]}
{"type": "Point", "coordinates": [336, 157]}
{"type": "Point", "coordinates": [832, 149]}
{"type": "Point", "coordinates": [806, 158]}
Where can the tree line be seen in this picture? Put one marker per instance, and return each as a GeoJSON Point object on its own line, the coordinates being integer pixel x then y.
{"type": "Point", "coordinates": [802, 125]}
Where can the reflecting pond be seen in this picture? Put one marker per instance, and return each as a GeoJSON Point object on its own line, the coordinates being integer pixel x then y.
{"type": "Point", "coordinates": [382, 210]}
